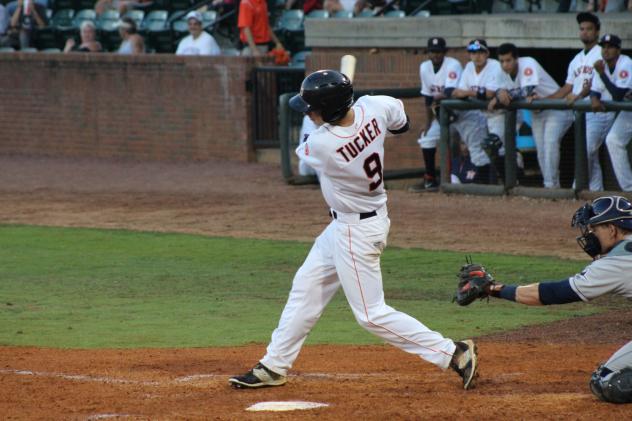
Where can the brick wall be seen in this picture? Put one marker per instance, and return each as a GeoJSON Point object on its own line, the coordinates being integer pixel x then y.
{"type": "Point", "coordinates": [388, 68]}
{"type": "Point", "coordinates": [157, 107]}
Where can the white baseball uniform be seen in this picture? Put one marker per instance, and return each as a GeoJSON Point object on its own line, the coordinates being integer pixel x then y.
{"type": "Point", "coordinates": [548, 126]}
{"type": "Point", "coordinates": [307, 127]}
{"type": "Point", "coordinates": [349, 162]}
{"type": "Point", "coordinates": [580, 73]}
{"type": "Point", "coordinates": [433, 84]}
{"type": "Point", "coordinates": [621, 131]}
{"type": "Point", "coordinates": [609, 274]}
{"type": "Point", "coordinates": [596, 132]}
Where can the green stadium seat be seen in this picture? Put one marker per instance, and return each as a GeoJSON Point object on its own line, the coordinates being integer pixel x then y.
{"type": "Point", "coordinates": [137, 16]}
{"type": "Point", "coordinates": [155, 20]}
{"type": "Point", "coordinates": [62, 19]}
{"type": "Point", "coordinates": [51, 50]}
{"type": "Point", "coordinates": [49, 37]}
{"type": "Point", "coordinates": [7, 49]}
{"type": "Point", "coordinates": [317, 14]}
{"type": "Point", "coordinates": [28, 50]}
{"type": "Point", "coordinates": [107, 25]}
{"type": "Point", "coordinates": [423, 14]}
{"type": "Point", "coordinates": [208, 18]}
{"type": "Point", "coordinates": [365, 14]}
{"type": "Point", "coordinates": [180, 28]}
{"type": "Point", "coordinates": [108, 15]}
{"type": "Point", "coordinates": [395, 14]}
{"type": "Point", "coordinates": [158, 35]}
{"type": "Point", "coordinates": [85, 14]}
{"type": "Point", "coordinates": [343, 14]}
{"type": "Point", "coordinates": [291, 20]}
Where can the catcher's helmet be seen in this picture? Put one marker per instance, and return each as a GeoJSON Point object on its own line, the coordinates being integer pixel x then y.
{"type": "Point", "coordinates": [616, 210]}
{"type": "Point", "coordinates": [326, 91]}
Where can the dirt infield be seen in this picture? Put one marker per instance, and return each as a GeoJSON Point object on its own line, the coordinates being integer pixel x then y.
{"type": "Point", "coordinates": [537, 372]}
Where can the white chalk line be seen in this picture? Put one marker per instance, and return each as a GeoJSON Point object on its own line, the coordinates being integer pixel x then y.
{"type": "Point", "coordinates": [179, 380]}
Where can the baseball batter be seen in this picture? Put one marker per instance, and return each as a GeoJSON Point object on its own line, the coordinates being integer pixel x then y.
{"type": "Point", "coordinates": [479, 80]}
{"type": "Point", "coordinates": [524, 78]}
{"type": "Point", "coordinates": [578, 83]}
{"type": "Point", "coordinates": [347, 152]}
{"type": "Point", "coordinates": [606, 235]}
{"type": "Point", "coordinates": [613, 81]}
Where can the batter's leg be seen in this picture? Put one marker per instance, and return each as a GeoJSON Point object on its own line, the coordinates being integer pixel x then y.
{"type": "Point", "coordinates": [357, 258]}
{"type": "Point", "coordinates": [617, 140]}
{"type": "Point", "coordinates": [313, 287]}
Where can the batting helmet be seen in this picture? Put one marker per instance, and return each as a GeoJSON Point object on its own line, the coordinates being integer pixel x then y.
{"type": "Point", "coordinates": [326, 91]}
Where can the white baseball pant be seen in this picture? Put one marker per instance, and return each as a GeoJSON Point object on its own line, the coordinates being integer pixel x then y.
{"type": "Point", "coordinates": [597, 127]}
{"type": "Point", "coordinates": [621, 359]}
{"type": "Point", "coordinates": [617, 140]}
{"type": "Point", "coordinates": [431, 138]}
{"type": "Point", "coordinates": [548, 128]}
{"type": "Point", "coordinates": [472, 128]}
{"type": "Point", "coordinates": [347, 253]}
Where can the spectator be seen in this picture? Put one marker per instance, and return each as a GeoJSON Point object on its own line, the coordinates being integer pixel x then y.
{"type": "Point", "coordinates": [479, 80]}
{"type": "Point", "coordinates": [308, 5]}
{"type": "Point", "coordinates": [223, 6]}
{"type": "Point", "coordinates": [89, 43]}
{"type": "Point", "coordinates": [372, 5]}
{"type": "Point", "coordinates": [132, 42]}
{"type": "Point", "coordinates": [524, 78]}
{"type": "Point", "coordinates": [254, 28]}
{"type": "Point", "coordinates": [463, 171]}
{"type": "Point", "coordinates": [577, 86]}
{"type": "Point", "coordinates": [612, 83]}
{"type": "Point", "coordinates": [199, 42]}
{"type": "Point", "coordinates": [27, 17]}
{"type": "Point", "coordinates": [12, 5]}
{"type": "Point", "coordinates": [123, 6]}
{"type": "Point", "coordinates": [606, 6]}
{"type": "Point", "coordinates": [333, 6]}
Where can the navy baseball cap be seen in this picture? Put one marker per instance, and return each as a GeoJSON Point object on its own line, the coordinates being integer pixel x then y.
{"type": "Point", "coordinates": [477, 45]}
{"type": "Point", "coordinates": [611, 40]}
{"type": "Point", "coordinates": [588, 17]}
{"type": "Point", "coordinates": [437, 44]}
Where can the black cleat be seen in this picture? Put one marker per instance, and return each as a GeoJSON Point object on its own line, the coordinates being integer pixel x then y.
{"type": "Point", "coordinates": [259, 376]}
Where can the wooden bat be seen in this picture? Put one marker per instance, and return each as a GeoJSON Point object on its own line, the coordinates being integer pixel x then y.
{"type": "Point", "coordinates": [348, 65]}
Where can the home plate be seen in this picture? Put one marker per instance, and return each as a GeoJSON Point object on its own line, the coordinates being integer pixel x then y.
{"type": "Point", "coordinates": [285, 406]}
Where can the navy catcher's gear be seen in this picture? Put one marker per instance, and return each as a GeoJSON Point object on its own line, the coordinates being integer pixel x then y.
{"type": "Point", "coordinates": [326, 91]}
{"type": "Point", "coordinates": [615, 387]}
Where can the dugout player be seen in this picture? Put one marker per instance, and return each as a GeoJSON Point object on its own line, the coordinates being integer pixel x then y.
{"type": "Point", "coordinates": [524, 78]}
{"type": "Point", "coordinates": [347, 152]}
{"type": "Point", "coordinates": [578, 83]}
{"type": "Point", "coordinates": [613, 82]}
{"type": "Point", "coordinates": [479, 80]}
{"type": "Point", "coordinates": [606, 235]}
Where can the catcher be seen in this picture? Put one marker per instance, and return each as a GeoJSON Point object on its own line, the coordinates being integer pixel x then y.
{"type": "Point", "coordinates": [606, 235]}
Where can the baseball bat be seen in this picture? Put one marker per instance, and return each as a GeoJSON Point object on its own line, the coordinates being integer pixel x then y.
{"type": "Point", "coordinates": [348, 65]}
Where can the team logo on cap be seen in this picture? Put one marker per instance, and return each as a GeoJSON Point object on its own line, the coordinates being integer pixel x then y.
{"type": "Point", "coordinates": [452, 75]}
{"type": "Point", "coordinates": [623, 74]}
{"type": "Point", "coordinates": [528, 71]}
{"type": "Point", "coordinates": [435, 41]}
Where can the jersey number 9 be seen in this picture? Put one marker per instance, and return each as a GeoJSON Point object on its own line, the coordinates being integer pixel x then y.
{"type": "Point", "coordinates": [373, 168]}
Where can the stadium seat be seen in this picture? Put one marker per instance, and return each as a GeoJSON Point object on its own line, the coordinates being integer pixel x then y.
{"type": "Point", "coordinates": [395, 14]}
{"type": "Point", "coordinates": [137, 16]}
{"type": "Point", "coordinates": [230, 52]}
{"type": "Point", "coordinates": [107, 25]}
{"type": "Point", "coordinates": [49, 37]}
{"type": "Point", "coordinates": [343, 14]}
{"type": "Point", "coordinates": [85, 14]}
{"type": "Point", "coordinates": [51, 50]}
{"type": "Point", "coordinates": [208, 18]}
{"type": "Point", "coordinates": [298, 59]}
{"type": "Point", "coordinates": [7, 49]}
{"type": "Point", "coordinates": [423, 14]}
{"type": "Point", "coordinates": [28, 50]}
{"type": "Point", "coordinates": [156, 20]}
{"type": "Point", "coordinates": [180, 28]}
{"type": "Point", "coordinates": [158, 35]}
{"type": "Point", "coordinates": [365, 14]}
{"type": "Point", "coordinates": [318, 14]}
{"type": "Point", "coordinates": [291, 20]}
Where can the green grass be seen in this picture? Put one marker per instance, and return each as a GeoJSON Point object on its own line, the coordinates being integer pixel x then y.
{"type": "Point", "coordinates": [85, 288]}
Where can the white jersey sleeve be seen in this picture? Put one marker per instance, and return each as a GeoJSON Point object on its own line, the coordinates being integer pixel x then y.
{"type": "Point", "coordinates": [394, 109]}
{"type": "Point", "coordinates": [454, 73]}
{"type": "Point", "coordinates": [610, 274]}
{"type": "Point", "coordinates": [466, 82]}
{"type": "Point", "coordinates": [309, 155]}
{"type": "Point", "coordinates": [425, 76]}
{"type": "Point", "coordinates": [493, 71]}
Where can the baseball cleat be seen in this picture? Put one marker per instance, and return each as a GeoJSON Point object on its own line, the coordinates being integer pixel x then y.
{"type": "Point", "coordinates": [259, 376]}
{"type": "Point", "coordinates": [465, 362]}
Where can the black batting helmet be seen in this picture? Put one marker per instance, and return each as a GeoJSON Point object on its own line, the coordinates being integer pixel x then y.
{"type": "Point", "coordinates": [326, 91]}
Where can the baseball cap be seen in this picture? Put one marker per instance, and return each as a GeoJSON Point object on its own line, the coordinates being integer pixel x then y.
{"type": "Point", "coordinates": [436, 44]}
{"type": "Point", "coordinates": [610, 39]}
{"type": "Point", "coordinates": [477, 45]}
{"type": "Point", "coordinates": [194, 15]}
{"type": "Point", "coordinates": [588, 17]}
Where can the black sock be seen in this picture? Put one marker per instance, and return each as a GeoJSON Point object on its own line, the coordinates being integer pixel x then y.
{"type": "Point", "coordinates": [429, 160]}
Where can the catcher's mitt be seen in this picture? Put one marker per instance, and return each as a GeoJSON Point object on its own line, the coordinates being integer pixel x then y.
{"type": "Point", "coordinates": [474, 282]}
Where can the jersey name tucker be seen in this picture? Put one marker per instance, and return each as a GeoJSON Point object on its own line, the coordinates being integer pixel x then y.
{"type": "Point", "coordinates": [364, 138]}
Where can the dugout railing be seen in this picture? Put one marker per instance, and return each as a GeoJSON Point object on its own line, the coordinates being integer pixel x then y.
{"type": "Point", "coordinates": [510, 179]}
{"type": "Point", "coordinates": [290, 126]}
